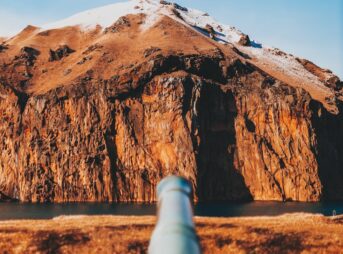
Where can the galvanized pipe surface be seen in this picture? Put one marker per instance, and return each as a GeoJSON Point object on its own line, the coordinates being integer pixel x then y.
{"type": "Point", "coordinates": [175, 230]}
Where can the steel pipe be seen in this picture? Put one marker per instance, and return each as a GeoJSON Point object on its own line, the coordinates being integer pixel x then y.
{"type": "Point", "coordinates": [175, 230]}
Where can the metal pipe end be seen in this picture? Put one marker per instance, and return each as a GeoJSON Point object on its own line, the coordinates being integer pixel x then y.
{"type": "Point", "coordinates": [174, 183]}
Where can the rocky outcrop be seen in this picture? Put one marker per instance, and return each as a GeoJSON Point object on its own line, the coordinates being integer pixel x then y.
{"type": "Point", "coordinates": [244, 40]}
{"type": "Point", "coordinates": [3, 47]}
{"type": "Point", "coordinates": [324, 75]}
{"type": "Point", "coordinates": [204, 112]}
{"type": "Point", "coordinates": [119, 25]}
{"type": "Point", "coordinates": [61, 52]}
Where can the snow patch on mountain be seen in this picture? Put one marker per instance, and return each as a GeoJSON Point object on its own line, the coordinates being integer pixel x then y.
{"type": "Point", "coordinates": [104, 16]}
{"type": "Point", "coordinates": [286, 64]}
{"type": "Point", "coordinates": [200, 19]}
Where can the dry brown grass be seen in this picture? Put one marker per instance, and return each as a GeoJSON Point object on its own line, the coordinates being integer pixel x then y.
{"type": "Point", "coordinates": [300, 233]}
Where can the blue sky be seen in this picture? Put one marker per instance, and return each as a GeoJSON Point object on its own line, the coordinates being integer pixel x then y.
{"type": "Point", "coordinates": [311, 29]}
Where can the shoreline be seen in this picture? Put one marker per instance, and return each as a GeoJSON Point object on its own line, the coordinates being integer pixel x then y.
{"type": "Point", "coordinates": [288, 233]}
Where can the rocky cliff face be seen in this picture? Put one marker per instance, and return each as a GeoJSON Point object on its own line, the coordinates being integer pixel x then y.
{"type": "Point", "coordinates": [114, 112]}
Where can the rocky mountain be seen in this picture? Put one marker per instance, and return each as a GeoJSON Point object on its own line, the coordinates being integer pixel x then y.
{"type": "Point", "coordinates": [102, 105]}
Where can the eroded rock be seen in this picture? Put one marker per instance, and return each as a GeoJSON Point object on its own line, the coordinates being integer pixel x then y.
{"type": "Point", "coordinates": [119, 25]}
{"type": "Point", "coordinates": [244, 40]}
{"type": "Point", "coordinates": [3, 47]}
{"type": "Point", "coordinates": [61, 52]}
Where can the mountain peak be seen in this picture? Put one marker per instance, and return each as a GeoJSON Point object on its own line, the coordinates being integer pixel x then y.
{"type": "Point", "coordinates": [107, 15]}
{"type": "Point", "coordinates": [153, 9]}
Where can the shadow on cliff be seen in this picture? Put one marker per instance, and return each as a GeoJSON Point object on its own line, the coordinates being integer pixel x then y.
{"type": "Point", "coordinates": [218, 178]}
{"type": "Point", "coordinates": [328, 129]}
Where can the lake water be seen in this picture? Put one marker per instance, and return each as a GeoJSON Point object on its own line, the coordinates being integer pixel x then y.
{"type": "Point", "coordinates": [10, 211]}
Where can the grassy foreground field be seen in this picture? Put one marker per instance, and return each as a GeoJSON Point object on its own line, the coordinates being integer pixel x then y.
{"type": "Point", "coordinates": [290, 233]}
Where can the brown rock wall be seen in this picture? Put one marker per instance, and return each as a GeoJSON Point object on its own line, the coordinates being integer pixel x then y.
{"type": "Point", "coordinates": [235, 132]}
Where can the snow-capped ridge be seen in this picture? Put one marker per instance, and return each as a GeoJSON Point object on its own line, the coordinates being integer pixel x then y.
{"type": "Point", "coordinates": [103, 16]}
{"type": "Point", "coordinates": [107, 15]}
